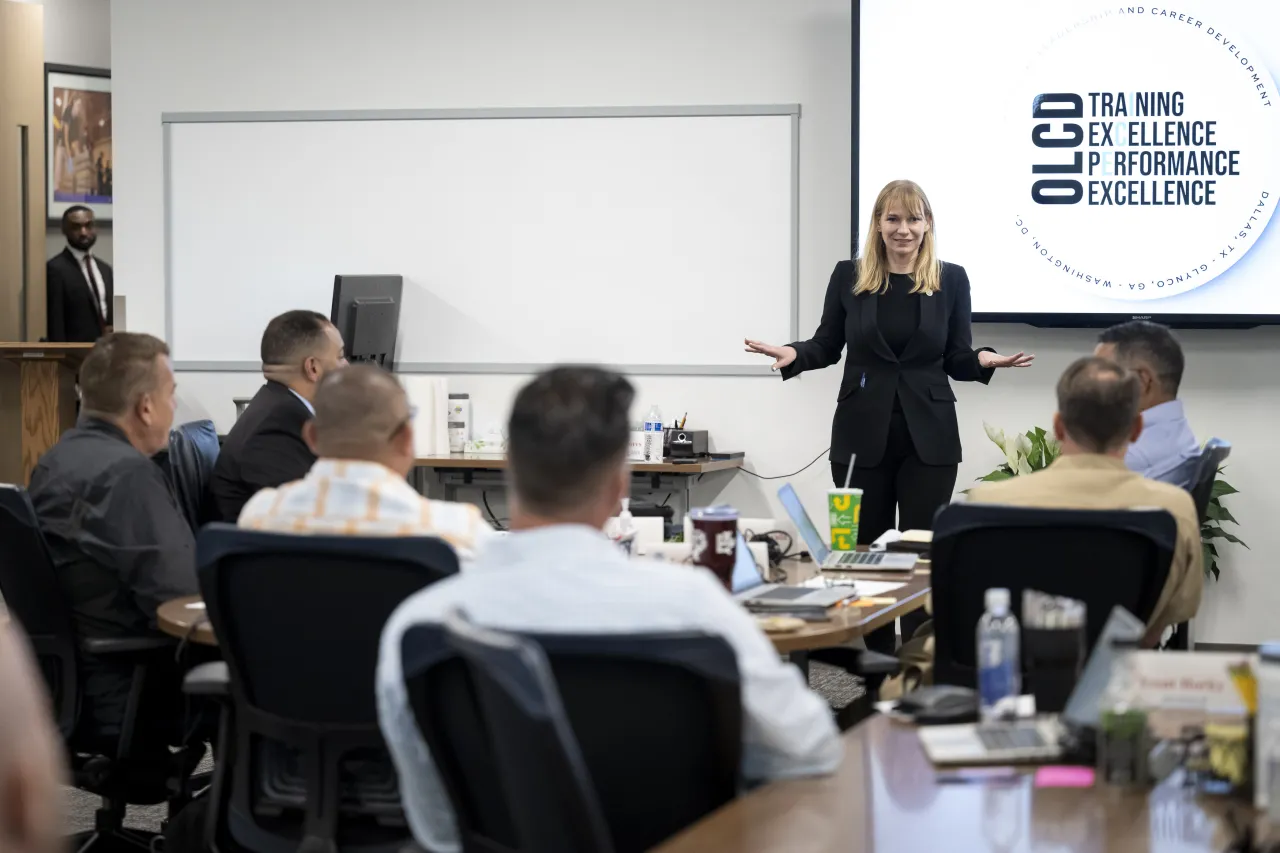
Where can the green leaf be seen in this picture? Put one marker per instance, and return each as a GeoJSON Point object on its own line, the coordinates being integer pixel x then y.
{"type": "Point", "coordinates": [1210, 561]}
{"type": "Point", "coordinates": [1218, 512]}
{"type": "Point", "coordinates": [1219, 533]}
{"type": "Point", "coordinates": [1222, 487]}
{"type": "Point", "coordinates": [997, 475]}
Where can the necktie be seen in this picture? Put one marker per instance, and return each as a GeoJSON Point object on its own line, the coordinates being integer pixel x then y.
{"type": "Point", "coordinates": [93, 288]}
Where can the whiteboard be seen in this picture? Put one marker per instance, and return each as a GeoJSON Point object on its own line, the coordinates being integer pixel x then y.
{"type": "Point", "coordinates": [648, 239]}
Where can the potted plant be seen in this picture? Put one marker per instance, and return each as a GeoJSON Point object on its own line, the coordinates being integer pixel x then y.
{"type": "Point", "coordinates": [1025, 453]}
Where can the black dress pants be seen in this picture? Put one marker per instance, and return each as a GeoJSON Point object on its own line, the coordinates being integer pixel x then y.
{"type": "Point", "coordinates": [900, 493]}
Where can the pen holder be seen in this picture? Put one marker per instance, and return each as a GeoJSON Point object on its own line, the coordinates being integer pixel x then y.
{"type": "Point", "coordinates": [1052, 660]}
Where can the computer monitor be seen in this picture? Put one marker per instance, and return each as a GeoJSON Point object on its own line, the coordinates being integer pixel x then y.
{"type": "Point", "coordinates": [366, 312]}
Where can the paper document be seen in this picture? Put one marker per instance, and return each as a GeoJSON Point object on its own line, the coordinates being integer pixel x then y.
{"type": "Point", "coordinates": [866, 589]}
{"type": "Point", "coordinates": [885, 538]}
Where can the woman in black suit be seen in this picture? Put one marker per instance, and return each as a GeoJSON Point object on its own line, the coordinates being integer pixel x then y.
{"type": "Point", "coordinates": [904, 316]}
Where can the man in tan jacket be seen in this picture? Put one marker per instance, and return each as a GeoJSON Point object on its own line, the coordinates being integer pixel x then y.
{"type": "Point", "coordinates": [1097, 420]}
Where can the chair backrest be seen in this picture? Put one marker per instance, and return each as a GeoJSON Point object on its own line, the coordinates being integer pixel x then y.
{"type": "Point", "coordinates": [657, 719]}
{"type": "Point", "coordinates": [298, 621]}
{"type": "Point", "coordinates": [193, 451]}
{"type": "Point", "coordinates": [31, 593]}
{"type": "Point", "coordinates": [548, 788]}
{"type": "Point", "coordinates": [1215, 452]}
{"type": "Point", "coordinates": [1101, 557]}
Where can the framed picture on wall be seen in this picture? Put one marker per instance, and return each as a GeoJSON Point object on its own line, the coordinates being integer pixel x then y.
{"type": "Point", "coordinates": [78, 156]}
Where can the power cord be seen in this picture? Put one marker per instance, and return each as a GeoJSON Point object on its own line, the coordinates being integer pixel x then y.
{"type": "Point", "coordinates": [777, 552]}
{"type": "Point", "coordinates": [484, 497]}
{"type": "Point", "coordinates": [785, 476]}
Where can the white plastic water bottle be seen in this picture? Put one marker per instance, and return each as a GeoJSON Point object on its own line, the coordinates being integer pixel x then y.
{"type": "Point", "coordinates": [653, 435]}
{"type": "Point", "coordinates": [999, 663]}
{"type": "Point", "coordinates": [625, 532]}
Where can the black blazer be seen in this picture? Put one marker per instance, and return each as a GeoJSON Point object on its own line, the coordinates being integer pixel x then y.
{"type": "Point", "coordinates": [942, 346]}
{"type": "Point", "coordinates": [72, 315]}
{"type": "Point", "coordinates": [263, 450]}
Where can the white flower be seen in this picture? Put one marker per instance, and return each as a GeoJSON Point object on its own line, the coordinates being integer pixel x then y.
{"type": "Point", "coordinates": [996, 435]}
{"type": "Point", "coordinates": [1012, 453]}
{"type": "Point", "coordinates": [1024, 467]}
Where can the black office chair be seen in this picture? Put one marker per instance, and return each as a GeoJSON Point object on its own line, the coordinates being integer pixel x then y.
{"type": "Point", "coordinates": [1203, 472]}
{"type": "Point", "coordinates": [1101, 557]}
{"type": "Point", "coordinates": [1215, 452]}
{"type": "Point", "coordinates": [109, 768]}
{"type": "Point", "coordinates": [193, 451]}
{"type": "Point", "coordinates": [298, 618]}
{"type": "Point", "coordinates": [656, 719]}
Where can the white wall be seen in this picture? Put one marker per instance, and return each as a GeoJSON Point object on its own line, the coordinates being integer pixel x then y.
{"type": "Point", "coordinates": [327, 54]}
{"type": "Point", "coordinates": [78, 32]}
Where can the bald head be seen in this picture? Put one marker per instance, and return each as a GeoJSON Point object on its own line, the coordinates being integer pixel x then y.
{"type": "Point", "coordinates": [1097, 407]}
{"type": "Point", "coordinates": [362, 413]}
{"type": "Point", "coordinates": [31, 761]}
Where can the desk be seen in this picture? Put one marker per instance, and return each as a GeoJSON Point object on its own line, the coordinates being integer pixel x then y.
{"type": "Point", "coordinates": [847, 623]}
{"type": "Point", "coordinates": [179, 618]}
{"type": "Point", "coordinates": [484, 470]}
{"type": "Point", "coordinates": [884, 799]}
{"type": "Point", "coordinates": [185, 619]}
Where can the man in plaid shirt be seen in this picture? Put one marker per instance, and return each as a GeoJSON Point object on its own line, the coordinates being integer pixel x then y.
{"type": "Point", "coordinates": [363, 435]}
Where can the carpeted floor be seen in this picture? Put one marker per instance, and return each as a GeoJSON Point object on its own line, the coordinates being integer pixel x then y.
{"type": "Point", "coordinates": [837, 686]}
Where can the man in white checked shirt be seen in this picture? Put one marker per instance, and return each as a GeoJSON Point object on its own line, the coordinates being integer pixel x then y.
{"type": "Point", "coordinates": [363, 435]}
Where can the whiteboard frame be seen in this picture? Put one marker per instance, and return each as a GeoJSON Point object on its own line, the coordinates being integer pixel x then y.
{"type": "Point", "coordinates": [793, 110]}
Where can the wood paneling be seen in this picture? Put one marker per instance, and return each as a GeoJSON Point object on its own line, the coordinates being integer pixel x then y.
{"type": "Point", "coordinates": [37, 390]}
{"type": "Point", "coordinates": [22, 207]}
{"type": "Point", "coordinates": [22, 187]}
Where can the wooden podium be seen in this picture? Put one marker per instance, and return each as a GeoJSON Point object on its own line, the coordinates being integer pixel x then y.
{"type": "Point", "coordinates": [37, 402]}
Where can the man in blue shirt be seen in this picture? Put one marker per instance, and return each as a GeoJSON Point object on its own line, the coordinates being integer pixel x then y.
{"type": "Point", "coordinates": [1167, 449]}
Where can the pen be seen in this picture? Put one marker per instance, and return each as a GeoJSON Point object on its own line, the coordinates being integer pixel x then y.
{"type": "Point", "coordinates": [682, 420]}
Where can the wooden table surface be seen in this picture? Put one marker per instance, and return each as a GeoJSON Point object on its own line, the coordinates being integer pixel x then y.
{"type": "Point", "coordinates": [846, 623]}
{"type": "Point", "coordinates": [498, 462]}
{"type": "Point", "coordinates": [185, 619]}
{"type": "Point", "coordinates": [885, 798]}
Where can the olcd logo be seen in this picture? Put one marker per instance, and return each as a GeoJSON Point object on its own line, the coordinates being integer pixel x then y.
{"type": "Point", "coordinates": [1148, 149]}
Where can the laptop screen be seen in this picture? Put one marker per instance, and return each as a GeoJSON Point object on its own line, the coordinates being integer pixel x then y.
{"type": "Point", "coordinates": [812, 538]}
{"type": "Point", "coordinates": [746, 574]}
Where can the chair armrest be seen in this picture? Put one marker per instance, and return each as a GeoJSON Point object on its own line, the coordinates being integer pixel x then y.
{"type": "Point", "coordinates": [208, 679]}
{"type": "Point", "coordinates": [126, 645]}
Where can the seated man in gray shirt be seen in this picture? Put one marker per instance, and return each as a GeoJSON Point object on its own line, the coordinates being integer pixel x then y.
{"type": "Point", "coordinates": [119, 543]}
{"type": "Point", "coordinates": [557, 571]}
{"type": "Point", "coordinates": [1167, 450]}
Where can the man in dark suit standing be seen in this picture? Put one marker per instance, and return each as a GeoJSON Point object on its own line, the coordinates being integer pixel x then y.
{"type": "Point", "coordinates": [80, 286]}
{"type": "Point", "coordinates": [265, 448]}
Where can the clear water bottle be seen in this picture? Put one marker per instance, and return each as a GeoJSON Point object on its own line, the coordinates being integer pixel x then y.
{"type": "Point", "coordinates": [653, 435]}
{"type": "Point", "coordinates": [999, 663]}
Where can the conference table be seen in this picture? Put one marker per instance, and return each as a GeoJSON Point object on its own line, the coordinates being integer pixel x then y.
{"type": "Point", "coordinates": [487, 471]}
{"type": "Point", "coordinates": [887, 798]}
{"type": "Point", "coordinates": [185, 617]}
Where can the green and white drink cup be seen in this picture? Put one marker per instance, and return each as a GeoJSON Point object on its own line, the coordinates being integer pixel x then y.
{"type": "Point", "coordinates": [844, 508]}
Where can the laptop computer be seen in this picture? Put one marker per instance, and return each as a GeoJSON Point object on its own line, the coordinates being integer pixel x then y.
{"type": "Point", "coordinates": [1030, 741]}
{"type": "Point", "coordinates": [849, 561]}
{"type": "Point", "coordinates": [750, 590]}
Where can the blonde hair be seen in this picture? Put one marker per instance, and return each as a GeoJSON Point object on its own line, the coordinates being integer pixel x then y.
{"type": "Point", "coordinates": [873, 266]}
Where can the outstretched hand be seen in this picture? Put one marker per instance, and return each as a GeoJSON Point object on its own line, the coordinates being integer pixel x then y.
{"type": "Point", "coordinates": [994, 359]}
{"type": "Point", "coordinates": [782, 356]}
